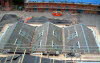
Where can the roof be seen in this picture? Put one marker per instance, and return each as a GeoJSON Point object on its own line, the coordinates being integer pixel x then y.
{"type": "Point", "coordinates": [79, 36]}
{"type": "Point", "coordinates": [18, 32]}
{"type": "Point", "coordinates": [49, 37]}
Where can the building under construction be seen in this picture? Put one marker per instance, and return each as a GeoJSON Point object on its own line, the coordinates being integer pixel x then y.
{"type": "Point", "coordinates": [52, 31]}
{"type": "Point", "coordinates": [49, 38]}
{"type": "Point", "coordinates": [63, 6]}
{"type": "Point", "coordinates": [52, 5]}
{"type": "Point", "coordinates": [68, 42]}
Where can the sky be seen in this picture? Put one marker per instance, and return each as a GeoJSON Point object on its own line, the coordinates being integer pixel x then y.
{"type": "Point", "coordinates": [95, 2]}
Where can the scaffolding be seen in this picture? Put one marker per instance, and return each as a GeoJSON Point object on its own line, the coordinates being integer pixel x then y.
{"type": "Point", "coordinates": [62, 58]}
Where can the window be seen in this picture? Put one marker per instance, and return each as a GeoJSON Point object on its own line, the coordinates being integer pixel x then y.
{"type": "Point", "coordinates": [41, 34]}
{"type": "Point", "coordinates": [72, 36]}
{"type": "Point", "coordinates": [67, 6]}
{"type": "Point", "coordinates": [46, 9]}
{"type": "Point", "coordinates": [52, 43]}
{"type": "Point", "coordinates": [34, 5]}
{"type": "Point", "coordinates": [59, 6]}
{"type": "Point", "coordinates": [55, 46]}
{"type": "Point", "coordinates": [40, 43]}
{"type": "Point", "coordinates": [22, 33]}
{"type": "Point", "coordinates": [66, 10]}
{"type": "Point", "coordinates": [54, 33]}
{"type": "Point", "coordinates": [58, 9]}
{"type": "Point", "coordinates": [78, 44]}
{"type": "Point", "coordinates": [46, 6]}
{"type": "Point", "coordinates": [35, 9]}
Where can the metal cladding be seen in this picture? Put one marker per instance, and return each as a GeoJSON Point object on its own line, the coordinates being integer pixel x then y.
{"type": "Point", "coordinates": [49, 38]}
{"type": "Point", "coordinates": [79, 38]}
{"type": "Point", "coordinates": [18, 36]}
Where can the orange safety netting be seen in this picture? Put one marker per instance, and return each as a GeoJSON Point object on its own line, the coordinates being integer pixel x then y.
{"type": "Point", "coordinates": [27, 19]}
